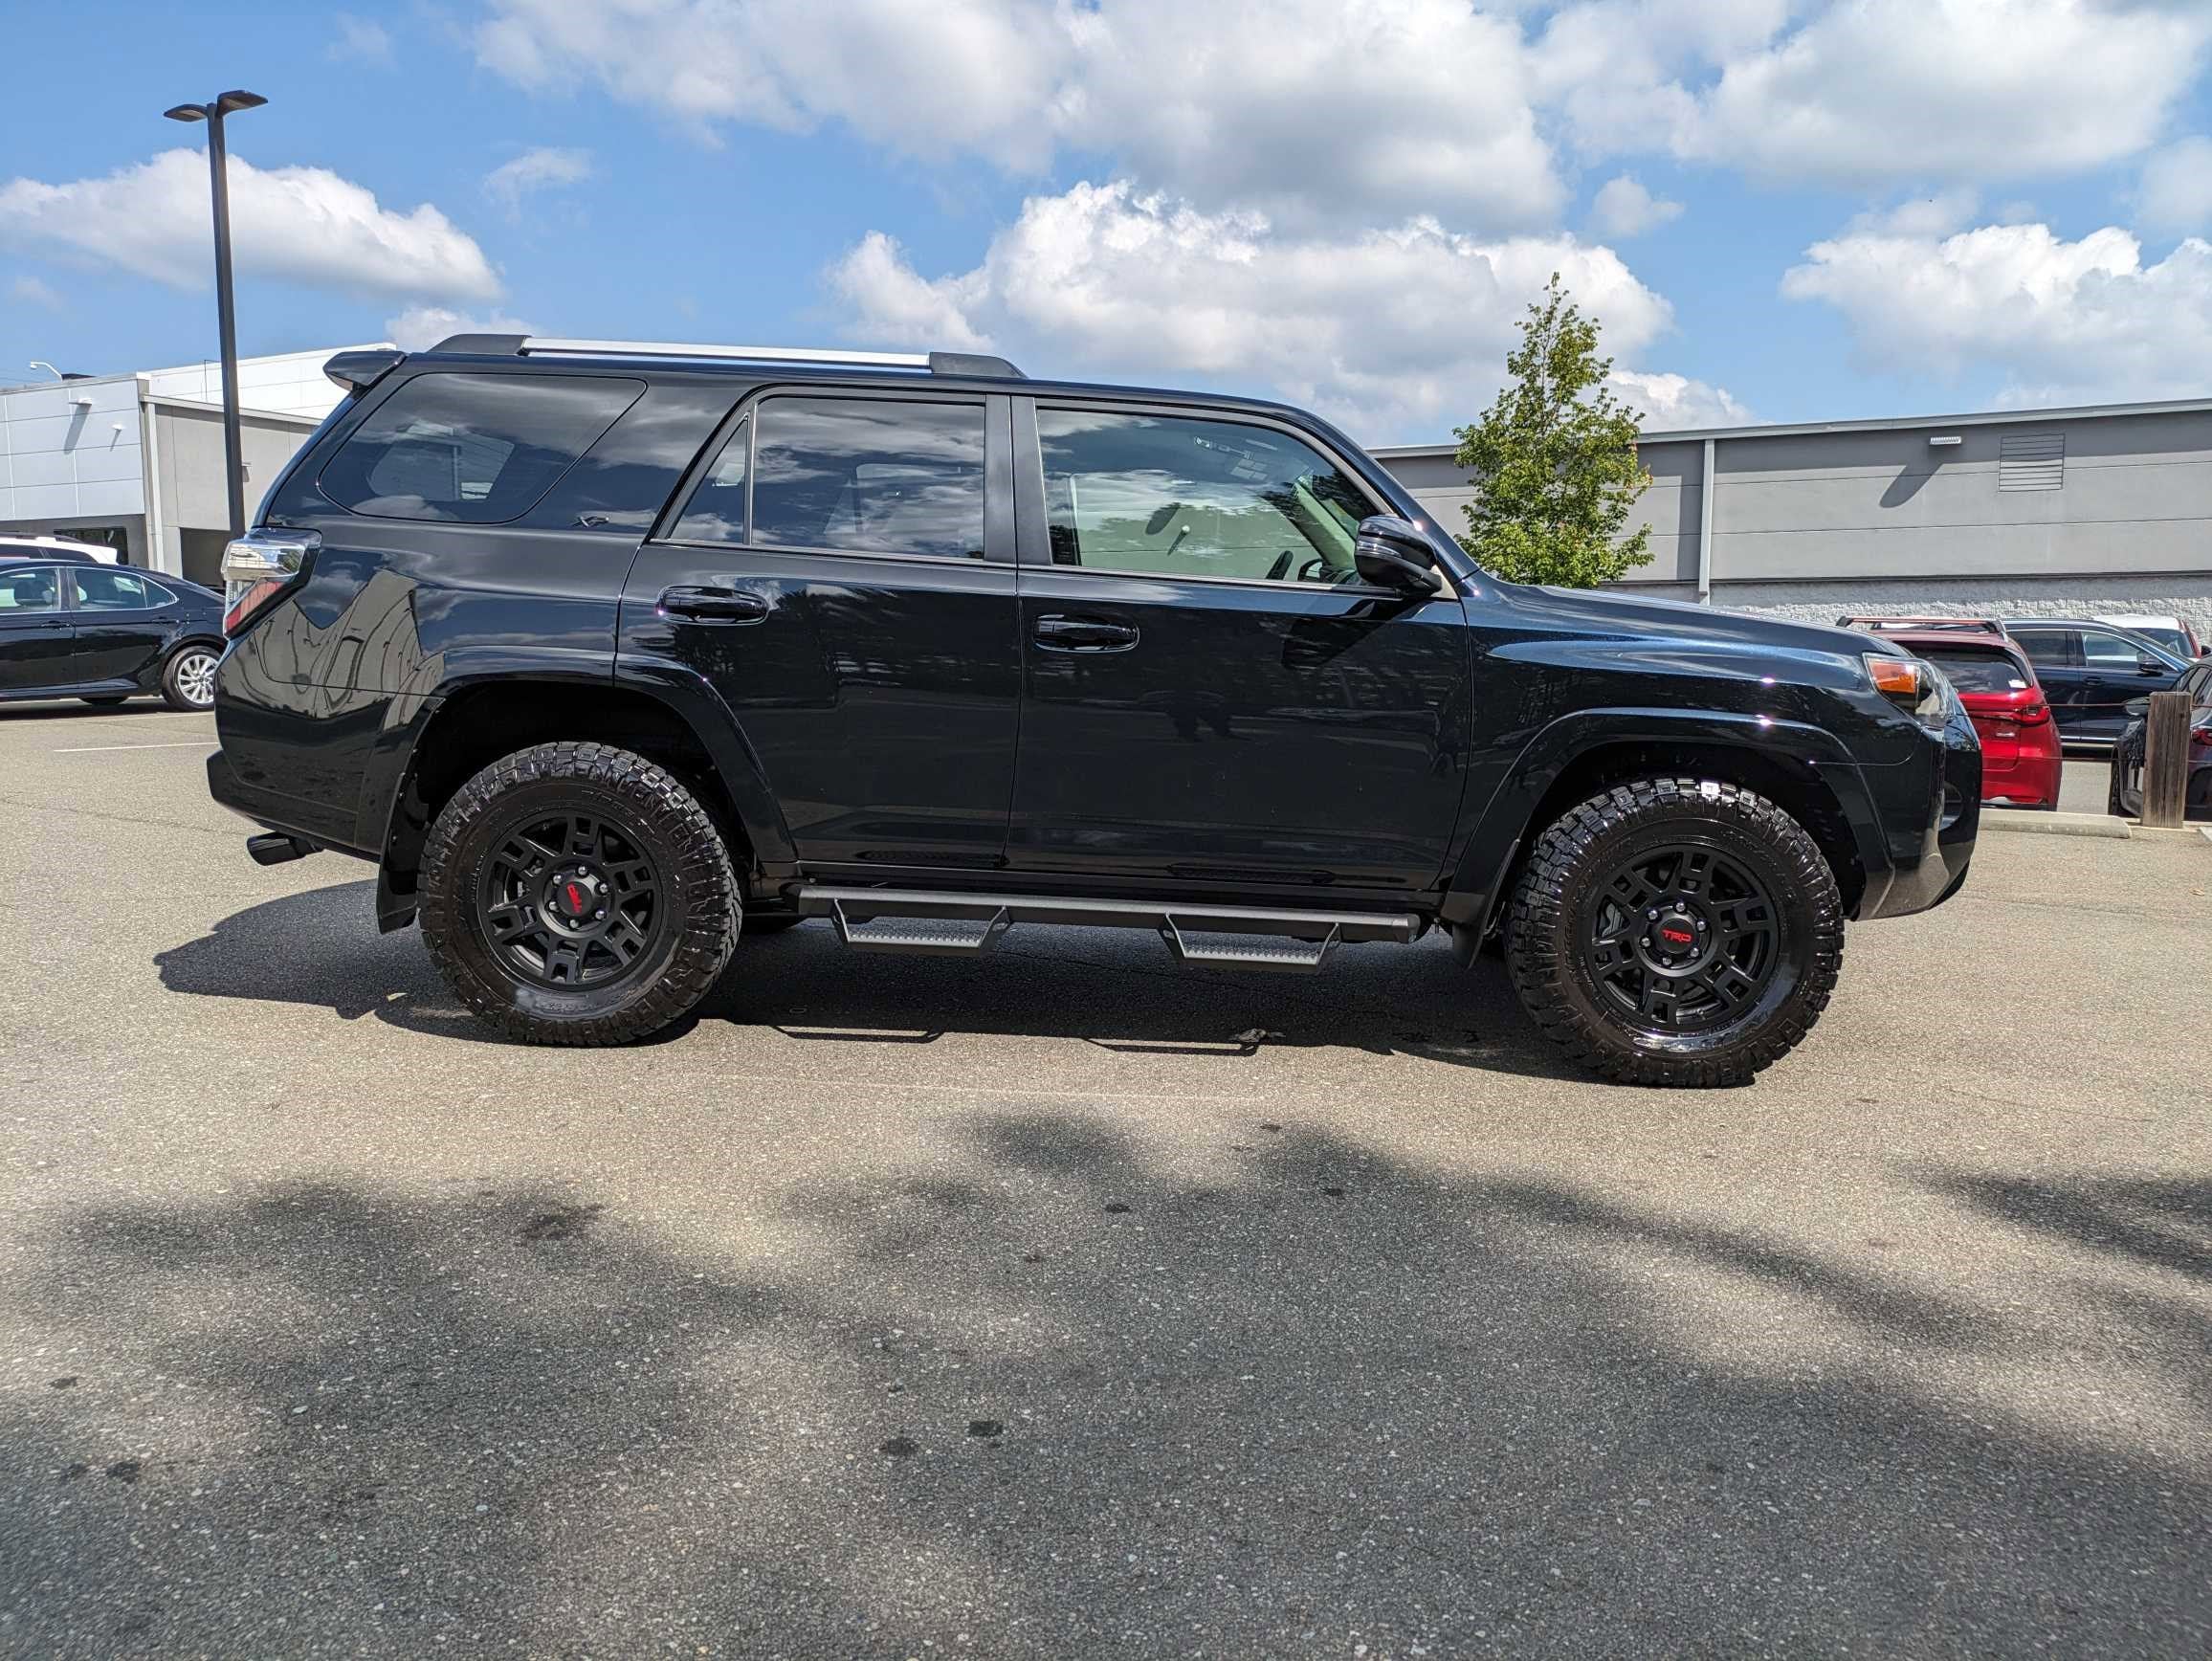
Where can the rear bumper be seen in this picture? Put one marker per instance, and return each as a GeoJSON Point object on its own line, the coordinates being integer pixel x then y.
{"type": "Point", "coordinates": [275, 811]}
{"type": "Point", "coordinates": [1927, 815]}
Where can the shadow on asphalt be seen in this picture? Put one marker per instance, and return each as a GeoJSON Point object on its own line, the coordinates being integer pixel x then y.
{"type": "Point", "coordinates": [1115, 988]}
{"type": "Point", "coordinates": [1066, 1403]}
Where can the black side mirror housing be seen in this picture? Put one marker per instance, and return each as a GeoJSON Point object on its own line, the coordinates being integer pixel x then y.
{"type": "Point", "coordinates": [2146, 664]}
{"type": "Point", "coordinates": [1393, 553]}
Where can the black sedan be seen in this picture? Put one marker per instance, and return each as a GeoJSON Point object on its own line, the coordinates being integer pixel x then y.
{"type": "Point", "coordinates": [2126, 794]}
{"type": "Point", "coordinates": [75, 629]}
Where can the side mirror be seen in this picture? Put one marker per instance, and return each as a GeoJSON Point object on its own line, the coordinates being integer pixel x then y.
{"type": "Point", "coordinates": [2146, 664]}
{"type": "Point", "coordinates": [1392, 553]}
{"type": "Point", "coordinates": [2137, 707]}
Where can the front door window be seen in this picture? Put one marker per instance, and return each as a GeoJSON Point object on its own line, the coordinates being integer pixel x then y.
{"type": "Point", "coordinates": [1170, 496]}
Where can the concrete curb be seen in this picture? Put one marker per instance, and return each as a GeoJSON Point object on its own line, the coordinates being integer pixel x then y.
{"type": "Point", "coordinates": [2055, 824]}
{"type": "Point", "coordinates": [2088, 825]}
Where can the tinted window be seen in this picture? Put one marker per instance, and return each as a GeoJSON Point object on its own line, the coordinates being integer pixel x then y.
{"type": "Point", "coordinates": [624, 480]}
{"type": "Point", "coordinates": [2172, 639]}
{"type": "Point", "coordinates": [2103, 650]}
{"type": "Point", "coordinates": [477, 448]}
{"type": "Point", "coordinates": [1195, 498]}
{"type": "Point", "coordinates": [1976, 671]}
{"type": "Point", "coordinates": [102, 589]}
{"type": "Point", "coordinates": [867, 477]}
{"type": "Point", "coordinates": [2046, 648]}
{"type": "Point", "coordinates": [29, 588]}
{"type": "Point", "coordinates": [717, 510]}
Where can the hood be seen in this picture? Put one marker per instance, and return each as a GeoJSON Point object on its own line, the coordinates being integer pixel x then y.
{"type": "Point", "coordinates": [1632, 615]}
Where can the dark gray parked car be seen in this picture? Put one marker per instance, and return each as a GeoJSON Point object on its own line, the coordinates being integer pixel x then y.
{"type": "Point", "coordinates": [2126, 794]}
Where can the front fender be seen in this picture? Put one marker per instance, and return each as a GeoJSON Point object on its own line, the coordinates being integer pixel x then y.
{"type": "Point", "coordinates": [1504, 823]}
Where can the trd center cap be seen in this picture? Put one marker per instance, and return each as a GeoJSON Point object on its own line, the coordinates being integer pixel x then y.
{"type": "Point", "coordinates": [1674, 936]}
{"type": "Point", "coordinates": [575, 897]}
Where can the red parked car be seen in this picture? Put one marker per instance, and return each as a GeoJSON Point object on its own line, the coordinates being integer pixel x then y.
{"type": "Point", "coordinates": [2020, 760]}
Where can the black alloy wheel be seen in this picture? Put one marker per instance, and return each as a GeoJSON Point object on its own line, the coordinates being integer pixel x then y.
{"type": "Point", "coordinates": [569, 901]}
{"type": "Point", "coordinates": [1675, 931]}
{"type": "Point", "coordinates": [574, 893]}
{"type": "Point", "coordinates": [1682, 938]}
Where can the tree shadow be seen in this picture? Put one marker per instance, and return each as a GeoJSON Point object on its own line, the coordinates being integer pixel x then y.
{"type": "Point", "coordinates": [1049, 1397]}
{"type": "Point", "coordinates": [1115, 988]}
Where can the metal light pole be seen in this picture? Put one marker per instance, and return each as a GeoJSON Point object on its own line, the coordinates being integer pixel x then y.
{"type": "Point", "coordinates": [218, 172]}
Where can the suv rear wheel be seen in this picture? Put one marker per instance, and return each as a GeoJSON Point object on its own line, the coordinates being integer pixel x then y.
{"type": "Point", "coordinates": [1675, 931]}
{"type": "Point", "coordinates": [578, 894]}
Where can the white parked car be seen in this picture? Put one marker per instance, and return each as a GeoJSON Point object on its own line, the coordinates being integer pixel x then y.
{"type": "Point", "coordinates": [16, 547]}
{"type": "Point", "coordinates": [2174, 633]}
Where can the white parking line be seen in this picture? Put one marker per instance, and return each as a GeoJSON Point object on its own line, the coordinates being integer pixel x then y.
{"type": "Point", "coordinates": [96, 749]}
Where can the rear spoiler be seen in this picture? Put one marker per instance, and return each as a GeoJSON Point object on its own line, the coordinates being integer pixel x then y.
{"type": "Point", "coordinates": [359, 371]}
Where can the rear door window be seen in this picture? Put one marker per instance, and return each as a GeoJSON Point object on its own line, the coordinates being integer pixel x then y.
{"type": "Point", "coordinates": [102, 589]}
{"type": "Point", "coordinates": [863, 475]}
{"type": "Point", "coordinates": [2047, 648]}
{"type": "Point", "coordinates": [2109, 651]}
{"type": "Point", "coordinates": [476, 448]}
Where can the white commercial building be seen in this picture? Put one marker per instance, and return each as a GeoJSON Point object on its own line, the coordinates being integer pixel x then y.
{"type": "Point", "coordinates": [136, 460]}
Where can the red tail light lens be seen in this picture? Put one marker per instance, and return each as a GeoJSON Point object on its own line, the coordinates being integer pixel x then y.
{"type": "Point", "coordinates": [257, 567]}
{"type": "Point", "coordinates": [2031, 715]}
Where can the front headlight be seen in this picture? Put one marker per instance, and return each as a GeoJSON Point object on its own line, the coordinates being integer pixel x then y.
{"type": "Point", "coordinates": [1913, 684]}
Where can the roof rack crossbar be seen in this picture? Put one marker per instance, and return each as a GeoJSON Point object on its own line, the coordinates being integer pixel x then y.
{"type": "Point", "coordinates": [969, 364]}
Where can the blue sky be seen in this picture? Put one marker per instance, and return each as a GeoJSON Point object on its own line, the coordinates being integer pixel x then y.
{"type": "Point", "coordinates": [1780, 210]}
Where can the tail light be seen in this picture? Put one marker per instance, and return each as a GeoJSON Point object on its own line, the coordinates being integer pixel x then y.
{"type": "Point", "coordinates": [257, 567]}
{"type": "Point", "coordinates": [2030, 715]}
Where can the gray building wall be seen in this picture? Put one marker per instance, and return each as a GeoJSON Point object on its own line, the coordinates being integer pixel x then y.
{"type": "Point", "coordinates": [2051, 512]}
{"type": "Point", "coordinates": [188, 448]}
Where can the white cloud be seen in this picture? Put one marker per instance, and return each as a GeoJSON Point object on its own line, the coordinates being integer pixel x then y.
{"type": "Point", "coordinates": [1668, 403]}
{"type": "Point", "coordinates": [29, 291]}
{"type": "Point", "coordinates": [1397, 332]}
{"type": "Point", "coordinates": [537, 169]}
{"type": "Point", "coordinates": [1869, 92]}
{"type": "Point", "coordinates": [1623, 207]}
{"type": "Point", "coordinates": [420, 327]}
{"type": "Point", "coordinates": [303, 225]}
{"type": "Point", "coordinates": [2064, 321]}
{"type": "Point", "coordinates": [1307, 108]}
{"type": "Point", "coordinates": [2176, 191]}
{"type": "Point", "coordinates": [362, 41]}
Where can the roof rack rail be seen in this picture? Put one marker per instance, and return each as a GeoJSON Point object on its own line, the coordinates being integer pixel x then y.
{"type": "Point", "coordinates": [976, 364]}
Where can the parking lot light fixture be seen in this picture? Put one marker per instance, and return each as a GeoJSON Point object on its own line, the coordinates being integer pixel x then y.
{"type": "Point", "coordinates": [218, 172]}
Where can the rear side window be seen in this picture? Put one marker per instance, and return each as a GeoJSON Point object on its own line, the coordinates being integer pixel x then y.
{"type": "Point", "coordinates": [1975, 671]}
{"type": "Point", "coordinates": [866, 475]}
{"type": "Point", "coordinates": [2046, 648]}
{"type": "Point", "coordinates": [101, 589]}
{"type": "Point", "coordinates": [481, 449]}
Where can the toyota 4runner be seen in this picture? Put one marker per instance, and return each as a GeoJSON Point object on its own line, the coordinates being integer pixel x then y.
{"type": "Point", "coordinates": [607, 653]}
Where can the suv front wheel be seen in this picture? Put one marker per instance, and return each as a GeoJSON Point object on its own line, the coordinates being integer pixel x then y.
{"type": "Point", "coordinates": [578, 894]}
{"type": "Point", "coordinates": [1675, 931]}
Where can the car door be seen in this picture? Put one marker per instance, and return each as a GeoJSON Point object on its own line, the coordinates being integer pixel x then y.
{"type": "Point", "coordinates": [842, 573]}
{"type": "Point", "coordinates": [121, 620]}
{"type": "Point", "coordinates": [2113, 673]}
{"type": "Point", "coordinates": [2056, 653]}
{"type": "Point", "coordinates": [36, 636]}
{"type": "Point", "coordinates": [1210, 693]}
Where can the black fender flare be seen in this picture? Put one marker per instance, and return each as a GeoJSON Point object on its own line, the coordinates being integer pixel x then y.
{"type": "Point", "coordinates": [1504, 825]}
{"type": "Point", "coordinates": [688, 696]}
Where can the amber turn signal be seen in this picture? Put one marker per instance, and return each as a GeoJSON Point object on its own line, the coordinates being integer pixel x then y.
{"type": "Point", "coordinates": [1897, 677]}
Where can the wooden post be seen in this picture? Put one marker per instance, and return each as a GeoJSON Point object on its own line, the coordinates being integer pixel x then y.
{"type": "Point", "coordinates": [2166, 758]}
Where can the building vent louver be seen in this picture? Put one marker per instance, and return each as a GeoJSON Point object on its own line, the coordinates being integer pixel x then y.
{"type": "Point", "coordinates": [2031, 461]}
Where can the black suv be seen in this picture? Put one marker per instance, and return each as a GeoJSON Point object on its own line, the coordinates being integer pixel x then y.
{"type": "Point", "coordinates": [606, 653]}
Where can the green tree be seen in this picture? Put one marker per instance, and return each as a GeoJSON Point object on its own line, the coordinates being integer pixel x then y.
{"type": "Point", "coordinates": [1554, 466]}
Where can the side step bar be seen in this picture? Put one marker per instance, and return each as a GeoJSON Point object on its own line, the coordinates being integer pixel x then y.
{"type": "Point", "coordinates": [953, 924]}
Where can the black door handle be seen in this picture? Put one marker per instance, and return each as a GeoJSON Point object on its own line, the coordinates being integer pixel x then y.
{"type": "Point", "coordinates": [701, 604]}
{"type": "Point", "coordinates": [1083, 634]}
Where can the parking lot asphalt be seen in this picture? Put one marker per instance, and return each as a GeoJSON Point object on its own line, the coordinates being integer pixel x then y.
{"type": "Point", "coordinates": [1068, 1304]}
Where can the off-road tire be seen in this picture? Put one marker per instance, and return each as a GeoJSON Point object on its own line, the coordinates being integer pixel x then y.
{"type": "Point", "coordinates": [2113, 805]}
{"type": "Point", "coordinates": [656, 814]}
{"type": "Point", "coordinates": [188, 678]}
{"type": "Point", "coordinates": [1552, 905]}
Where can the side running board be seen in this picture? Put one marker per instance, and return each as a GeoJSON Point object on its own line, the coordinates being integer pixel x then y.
{"type": "Point", "coordinates": [953, 924]}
